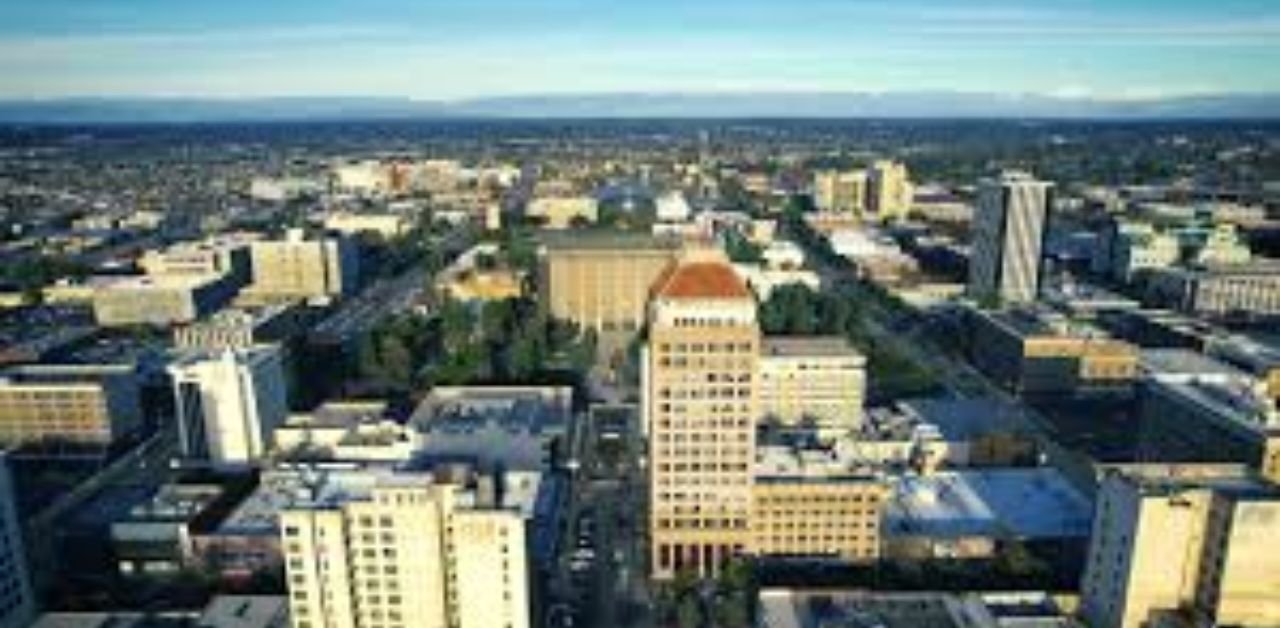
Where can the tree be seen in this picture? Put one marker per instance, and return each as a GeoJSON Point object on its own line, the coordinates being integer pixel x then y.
{"type": "Point", "coordinates": [689, 612]}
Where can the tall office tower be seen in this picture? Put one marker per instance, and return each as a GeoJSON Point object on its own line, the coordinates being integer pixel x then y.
{"type": "Point", "coordinates": [835, 191]}
{"type": "Point", "coordinates": [409, 553]}
{"type": "Point", "coordinates": [228, 403]}
{"type": "Point", "coordinates": [700, 408]}
{"type": "Point", "coordinates": [1009, 229]}
{"type": "Point", "coordinates": [297, 268]}
{"type": "Point", "coordinates": [889, 190]}
{"type": "Point", "coordinates": [17, 604]}
{"type": "Point", "coordinates": [1190, 545]}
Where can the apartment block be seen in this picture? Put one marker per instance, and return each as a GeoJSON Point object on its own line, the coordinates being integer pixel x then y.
{"type": "Point", "coordinates": [843, 192]}
{"type": "Point", "coordinates": [818, 380]}
{"type": "Point", "coordinates": [889, 190]}
{"type": "Point", "coordinates": [700, 381]}
{"type": "Point", "coordinates": [298, 268]}
{"type": "Point", "coordinates": [1184, 546]}
{"type": "Point", "coordinates": [410, 552]}
{"type": "Point", "coordinates": [227, 256]}
{"type": "Point", "coordinates": [81, 404]}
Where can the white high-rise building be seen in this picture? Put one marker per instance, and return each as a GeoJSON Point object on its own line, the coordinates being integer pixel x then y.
{"type": "Point", "coordinates": [1008, 237]}
{"type": "Point", "coordinates": [228, 403]}
{"type": "Point", "coordinates": [17, 604]}
{"type": "Point", "coordinates": [412, 552]}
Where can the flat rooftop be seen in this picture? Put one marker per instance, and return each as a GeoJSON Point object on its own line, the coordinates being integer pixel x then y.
{"type": "Point", "coordinates": [808, 346]}
{"type": "Point", "coordinates": [1185, 362]}
{"type": "Point", "coordinates": [599, 240]}
{"type": "Point", "coordinates": [798, 461]}
{"type": "Point", "coordinates": [1031, 503]}
{"type": "Point", "coordinates": [1236, 479]}
{"type": "Point", "coordinates": [284, 489]}
{"type": "Point", "coordinates": [246, 611]}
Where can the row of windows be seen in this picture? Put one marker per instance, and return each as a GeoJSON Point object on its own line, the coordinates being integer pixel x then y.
{"type": "Point", "coordinates": [709, 347]}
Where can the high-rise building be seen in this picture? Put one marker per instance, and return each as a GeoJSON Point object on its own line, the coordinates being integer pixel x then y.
{"type": "Point", "coordinates": [17, 604]}
{"type": "Point", "coordinates": [297, 268]}
{"type": "Point", "coordinates": [1190, 545]}
{"type": "Point", "coordinates": [1009, 229]}
{"type": "Point", "coordinates": [228, 403]}
{"type": "Point", "coordinates": [700, 409]}
{"type": "Point", "coordinates": [845, 192]}
{"type": "Point", "coordinates": [412, 552]}
{"type": "Point", "coordinates": [889, 190]}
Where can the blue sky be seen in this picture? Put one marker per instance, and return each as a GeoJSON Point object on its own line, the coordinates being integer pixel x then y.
{"type": "Point", "coordinates": [434, 49]}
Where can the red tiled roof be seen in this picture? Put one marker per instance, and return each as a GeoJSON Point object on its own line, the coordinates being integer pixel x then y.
{"type": "Point", "coordinates": [701, 280]}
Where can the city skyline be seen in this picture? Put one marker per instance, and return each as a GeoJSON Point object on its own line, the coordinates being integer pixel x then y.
{"type": "Point", "coordinates": [493, 48]}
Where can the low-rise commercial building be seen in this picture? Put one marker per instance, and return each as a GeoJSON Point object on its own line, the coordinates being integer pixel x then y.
{"type": "Point", "coordinates": [227, 256]}
{"type": "Point", "coordinates": [387, 225]}
{"type": "Point", "coordinates": [163, 300]}
{"type": "Point", "coordinates": [1196, 409]}
{"type": "Point", "coordinates": [1251, 291]}
{"type": "Point", "coordinates": [78, 404]}
{"type": "Point", "coordinates": [1032, 352]}
{"type": "Point", "coordinates": [973, 513]}
{"type": "Point", "coordinates": [562, 212]}
{"type": "Point", "coordinates": [811, 503]}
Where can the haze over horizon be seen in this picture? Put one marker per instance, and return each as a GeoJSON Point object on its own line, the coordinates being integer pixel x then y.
{"type": "Point", "coordinates": [434, 50]}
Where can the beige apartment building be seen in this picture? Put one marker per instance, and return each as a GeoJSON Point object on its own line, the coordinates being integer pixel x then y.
{"type": "Point", "coordinates": [410, 553]}
{"type": "Point", "coordinates": [297, 268]}
{"type": "Point", "coordinates": [817, 379]}
{"type": "Point", "coordinates": [602, 282]}
{"type": "Point", "coordinates": [700, 410]}
{"type": "Point", "coordinates": [90, 405]}
{"type": "Point", "coordinates": [1183, 546]}
{"type": "Point", "coordinates": [844, 192]}
{"type": "Point", "coordinates": [889, 190]}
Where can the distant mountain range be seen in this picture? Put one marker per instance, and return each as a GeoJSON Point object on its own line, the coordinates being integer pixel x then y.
{"type": "Point", "coordinates": [947, 105]}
